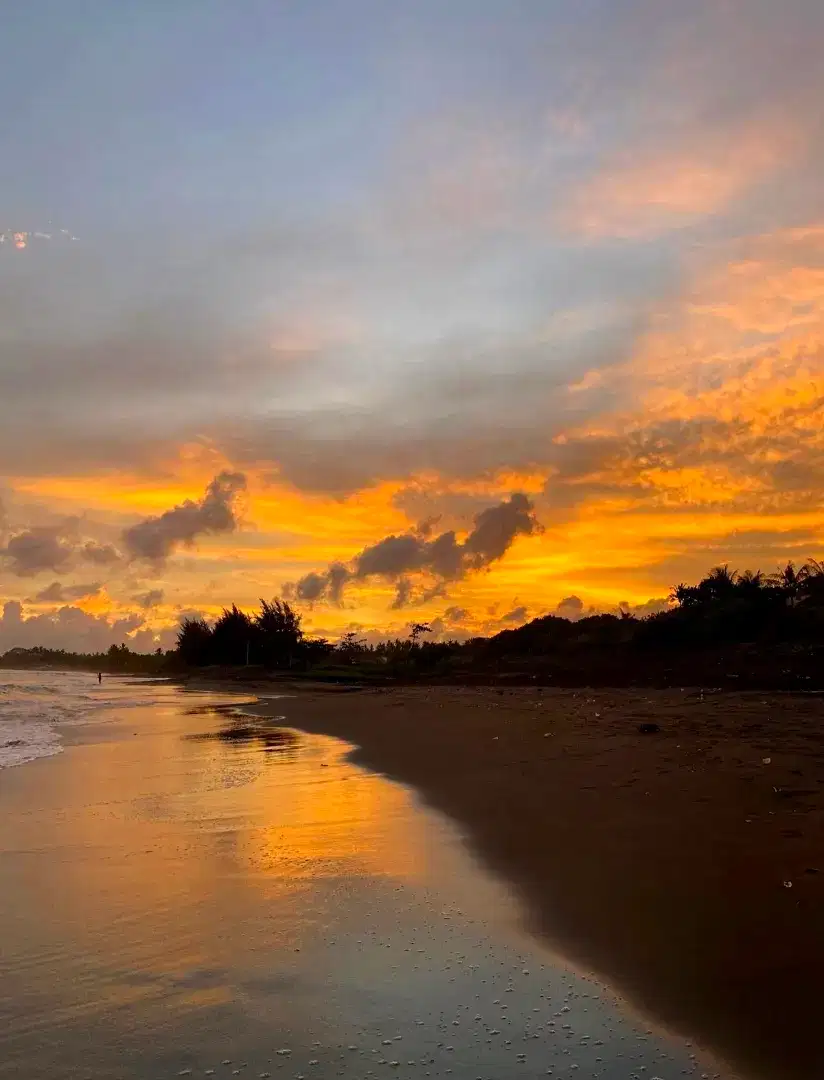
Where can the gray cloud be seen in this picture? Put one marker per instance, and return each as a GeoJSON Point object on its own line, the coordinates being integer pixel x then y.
{"type": "Point", "coordinates": [169, 316]}
{"type": "Point", "coordinates": [157, 537]}
{"type": "Point", "coordinates": [57, 593]}
{"type": "Point", "coordinates": [455, 614]}
{"type": "Point", "coordinates": [475, 407]}
{"type": "Point", "coordinates": [516, 615]}
{"type": "Point", "coordinates": [403, 594]}
{"type": "Point", "coordinates": [149, 599]}
{"type": "Point", "coordinates": [315, 586]}
{"type": "Point", "coordinates": [99, 554]}
{"type": "Point", "coordinates": [571, 607]}
{"type": "Point", "coordinates": [53, 547]}
{"type": "Point", "coordinates": [216, 373]}
{"type": "Point", "coordinates": [444, 556]}
{"type": "Point", "coordinates": [396, 555]}
{"type": "Point", "coordinates": [445, 630]}
{"type": "Point", "coordinates": [35, 550]}
{"type": "Point", "coordinates": [68, 628]}
{"type": "Point", "coordinates": [496, 528]}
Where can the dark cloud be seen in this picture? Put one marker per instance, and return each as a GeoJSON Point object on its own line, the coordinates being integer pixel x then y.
{"type": "Point", "coordinates": [496, 528]}
{"type": "Point", "coordinates": [516, 615]}
{"type": "Point", "coordinates": [149, 599]}
{"type": "Point", "coordinates": [35, 550]}
{"type": "Point", "coordinates": [403, 594]}
{"type": "Point", "coordinates": [455, 614]}
{"type": "Point", "coordinates": [400, 554]}
{"type": "Point", "coordinates": [310, 587]}
{"type": "Point", "coordinates": [445, 630]}
{"type": "Point", "coordinates": [315, 586]}
{"type": "Point", "coordinates": [469, 424]}
{"type": "Point", "coordinates": [574, 608]}
{"type": "Point", "coordinates": [571, 607]}
{"type": "Point", "coordinates": [426, 527]}
{"type": "Point", "coordinates": [445, 557]}
{"type": "Point", "coordinates": [54, 547]}
{"type": "Point", "coordinates": [58, 594]}
{"type": "Point", "coordinates": [157, 537]}
{"type": "Point", "coordinates": [99, 554]}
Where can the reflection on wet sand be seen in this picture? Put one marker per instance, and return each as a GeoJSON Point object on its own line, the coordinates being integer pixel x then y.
{"type": "Point", "coordinates": [238, 727]}
{"type": "Point", "coordinates": [174, 898]}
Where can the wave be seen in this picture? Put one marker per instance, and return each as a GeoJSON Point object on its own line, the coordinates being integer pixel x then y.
{"type": "Point", "coordinates": [33, 705]}
{"type": "Point", "coordinates": [10, 689]}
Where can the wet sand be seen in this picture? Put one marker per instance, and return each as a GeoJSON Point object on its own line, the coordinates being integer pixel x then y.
{"type": "Point", "coordinates": [680, 866]}
{"type": "Point", "coordinates": [187, 890]}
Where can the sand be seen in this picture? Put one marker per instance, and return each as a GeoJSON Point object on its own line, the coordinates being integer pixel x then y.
{"type": "Point", "coordinates": [685, 867]}
{"type": "Point", "coordinates": [185, 893]}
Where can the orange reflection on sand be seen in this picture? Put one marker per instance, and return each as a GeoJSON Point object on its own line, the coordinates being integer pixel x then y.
{"type": "Point", "coordinates": [335, 821]}
{"type": "Point", "coordinates": [169, 842]}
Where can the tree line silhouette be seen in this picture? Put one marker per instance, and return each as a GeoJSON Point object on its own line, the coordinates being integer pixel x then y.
{"type": "Point", "coordinates": [271, 637]}
{"type": "Point", "coordinates": [729, 625]}
{"type": "Point", "coordinates": [117, 660]}
{"type": "Point", "coordinates": [741, 629]}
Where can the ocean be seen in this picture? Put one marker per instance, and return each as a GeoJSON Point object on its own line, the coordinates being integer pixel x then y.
{"type": "Point", "coordinates": [32, 704]}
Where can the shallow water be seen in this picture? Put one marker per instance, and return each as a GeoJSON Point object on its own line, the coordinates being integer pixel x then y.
{"type": "Point", "coordinates": [190, 889]}
{"type": "Point", "coordinates": [34, 704]}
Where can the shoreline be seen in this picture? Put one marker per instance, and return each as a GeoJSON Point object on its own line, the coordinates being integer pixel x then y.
{"type": "Point", "coordinates": [657, 861]}
{"type": "Point", "coordinates": [224, 897]}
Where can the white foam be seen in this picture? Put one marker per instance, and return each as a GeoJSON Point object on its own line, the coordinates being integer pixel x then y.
{"type": "Point", "coordinates": [26, 740]}
{"type": "Point", "coordinates": [30, 705]}
{"type": "Point", "coordinates": [33, 703]}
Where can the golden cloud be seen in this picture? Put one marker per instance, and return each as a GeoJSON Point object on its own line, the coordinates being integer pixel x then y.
{"type": "Point", "coordinates": [713, 445]}
{"type": "Point", "coordinates": [728, 402]}
{"type": "Point", "coordinates": [641, 195]}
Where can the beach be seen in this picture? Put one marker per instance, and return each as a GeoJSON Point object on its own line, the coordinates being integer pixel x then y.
{"type": "Point", "coordinates": [191, 888]}
{"type": "Point", "coordinates": [683, 865]}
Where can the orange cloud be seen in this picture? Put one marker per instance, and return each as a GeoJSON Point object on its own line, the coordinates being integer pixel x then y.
{"type": "Point", "coordinates": [638, 196]}
{"type": "Point", "coordinates": [721, 434]}
{"type": "Point", "coordinates": [712, 450]}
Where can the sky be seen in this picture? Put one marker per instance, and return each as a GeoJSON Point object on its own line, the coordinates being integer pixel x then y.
{"type": "Point", "coordinates": [460, 312]}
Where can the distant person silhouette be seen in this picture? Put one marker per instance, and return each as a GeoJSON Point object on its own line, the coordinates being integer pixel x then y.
{"type": "Point", "coordinates": [100, 676]}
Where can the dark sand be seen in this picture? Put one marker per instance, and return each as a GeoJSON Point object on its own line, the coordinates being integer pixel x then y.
{"type": "Point", "coordinates": [658, 861]}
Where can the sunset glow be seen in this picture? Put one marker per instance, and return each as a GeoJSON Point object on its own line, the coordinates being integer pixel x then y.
{"type": "Point", "coordinates": [547, 264]}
